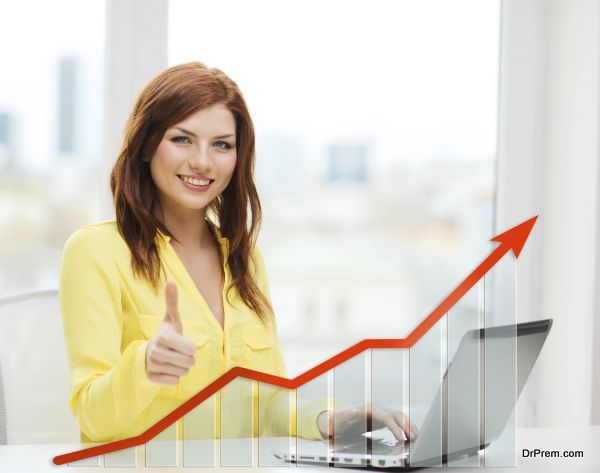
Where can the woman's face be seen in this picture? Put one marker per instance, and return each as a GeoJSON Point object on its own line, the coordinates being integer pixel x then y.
{"type": "Point", "coordinates": [195, 160]}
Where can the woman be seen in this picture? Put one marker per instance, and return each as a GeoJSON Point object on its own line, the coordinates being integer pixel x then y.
{"type": "Point", "coordinates": [187, 217]}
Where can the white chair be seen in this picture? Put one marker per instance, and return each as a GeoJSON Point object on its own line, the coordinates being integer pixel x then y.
{"type": "Point", "coordinates": [35, 370]}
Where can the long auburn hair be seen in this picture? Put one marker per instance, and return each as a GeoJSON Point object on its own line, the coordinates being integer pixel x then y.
{"type": "Point", "coordinates": [168, 99]}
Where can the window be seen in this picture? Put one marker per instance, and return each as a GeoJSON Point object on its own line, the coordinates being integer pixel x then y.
{"type": "Point", "coordinates": [376, 137]}
{"type": "Point", "coordinates": [50, 134]}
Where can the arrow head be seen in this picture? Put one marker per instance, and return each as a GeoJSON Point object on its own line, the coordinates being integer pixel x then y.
{"type": "Point", "coordinates": [516, 237]}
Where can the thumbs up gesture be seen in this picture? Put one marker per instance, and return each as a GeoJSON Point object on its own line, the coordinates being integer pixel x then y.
{"type": "Point", "coordinates": [169, 355]}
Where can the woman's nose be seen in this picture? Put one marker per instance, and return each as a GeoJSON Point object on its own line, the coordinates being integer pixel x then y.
{"type": "Point", "coordinates": [201, 158]}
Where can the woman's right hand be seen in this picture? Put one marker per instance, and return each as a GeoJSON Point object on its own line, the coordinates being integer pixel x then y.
{"type": "Point", "coordinates": [355, 420]}
{"type": "Point", "coordinates": [169, 355]}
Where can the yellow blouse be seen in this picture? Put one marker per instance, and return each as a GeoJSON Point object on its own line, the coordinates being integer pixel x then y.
{"type": "Point", "coordinates": [108, 318]}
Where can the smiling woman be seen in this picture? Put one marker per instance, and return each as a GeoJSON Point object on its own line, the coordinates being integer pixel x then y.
{"type": "Point", "coordinates": [184, 239]}
{"type": "Point", "coordinates": [164, 299]}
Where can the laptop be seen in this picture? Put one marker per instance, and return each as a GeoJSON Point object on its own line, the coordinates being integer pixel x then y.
{"type": "Point", "coordinates": [435, 443]}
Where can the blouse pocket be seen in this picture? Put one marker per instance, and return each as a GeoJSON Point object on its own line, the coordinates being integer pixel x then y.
{"type": "Point", "coordinates": [258, 354]}
{"type": "Point", "coordinates": [191, 383]}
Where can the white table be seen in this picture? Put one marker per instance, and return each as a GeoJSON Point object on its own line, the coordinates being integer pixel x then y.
{"type": "Point", "coordinates": [38, 458]}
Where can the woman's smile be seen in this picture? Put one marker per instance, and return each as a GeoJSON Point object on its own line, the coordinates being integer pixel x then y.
{"type": "Point", "coordinates": [195, 183]}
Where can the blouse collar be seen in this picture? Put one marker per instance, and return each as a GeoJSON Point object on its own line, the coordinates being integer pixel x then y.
{"type": "Point", "coordinates": [223, 241]}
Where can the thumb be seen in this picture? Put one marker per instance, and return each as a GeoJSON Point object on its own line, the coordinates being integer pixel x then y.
{"type": "Point", "coordinates": [172, 315]}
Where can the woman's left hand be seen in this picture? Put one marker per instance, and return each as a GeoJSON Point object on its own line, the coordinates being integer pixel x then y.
{"type": "Point", "coordinates": [353, 420]}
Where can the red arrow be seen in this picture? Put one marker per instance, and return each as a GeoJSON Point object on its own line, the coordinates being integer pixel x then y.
{"type": "Point", "coordinates": [513, 239]}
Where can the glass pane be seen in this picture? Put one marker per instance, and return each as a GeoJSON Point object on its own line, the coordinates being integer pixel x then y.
{"type": "Point", "coordinates": [93, 461]}
{"type": "Point", "coordinates": [500, 342]}
{"type": "Point", "coordinates": [350, 387]}
{"type": "Point", "coordinates": [427, 366]}
{"type": "Point", "coordinates": [275, 407]}
{"type": "Point", "coordinates": [389, 388]}
{"type": "Point", "coordinates": [162, 449]}
{"type": "Point", "coordinates": [199, 434]}
{"type": "Point", "coordinates": [238, 400]}
{"type": "Point", "coordinates": [464, 380]}
{"type": "Point", "coordinates": [122, 458]}
{"type": "Point", "coordinates": [316, 396]}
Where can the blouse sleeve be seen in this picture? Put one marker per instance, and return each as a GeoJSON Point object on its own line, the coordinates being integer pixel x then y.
{"type": "Point", "coordinates": [285, 413]}
{"type": "Point", "coordinates": [109, 388]}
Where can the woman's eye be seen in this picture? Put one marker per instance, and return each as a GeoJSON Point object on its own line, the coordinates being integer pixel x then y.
{"type": "Point", "coordinates": [177, 138]}
{"type": "Point", "coordinates": [227, 145]}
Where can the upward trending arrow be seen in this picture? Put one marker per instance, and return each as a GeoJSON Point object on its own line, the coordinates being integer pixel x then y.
{"type": "Point", "coordinates": [516, 237]}
{"type": "Point", "coordinates": [513, 239]}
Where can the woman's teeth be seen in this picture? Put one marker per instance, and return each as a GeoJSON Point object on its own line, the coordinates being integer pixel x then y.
{"type": "Point", "coordinates": [195, 182]}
